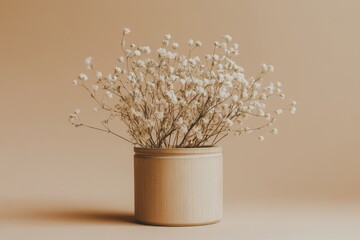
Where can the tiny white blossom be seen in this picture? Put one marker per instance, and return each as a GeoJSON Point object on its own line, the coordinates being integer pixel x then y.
{"type": "Point", "coordinates": [77, 111]}
{"type": "Point", "coordinates": [159, 115]}
{"type": "Point", "coordinates": [261, 138]}
{"type": "Point", "coordinates": [229, 122]}
{"type": "Point", "coordinates": [282, 96]}
{"type": "Point", "coordinates": [126, 31]}
{"type": "Point", "coordinates": [99, 75]}
{"type": "Point", "coordinates": [167, 36]}
{"type": "Point", "coordinates": [117, 70]}
{"type": "Point", "coordinates": [274, 131]}
{"type": "Point", "coordinates": [146, 49]}
{"type": "Point", "coordinates": [74, 82]}
{"type": "Point", "coordinates": [109, 77]}
{"type": "Point", "coordinates": [95, 87]}
{"type": "Point", "coordinates": [83, 76]}
{"type": "Point", "coordinates": [268, 116]}
{"type": "Point", "coordinates": [293, 103]}
{"type": "Point", "coordinates": [199, 135]}
{"type": "Point", "coordinates": [175, 45]}
{"type": "Point", "coordinates": [216, 44]}
{"type": "Point", "coordinates": [183, 129]}
{"type": "Point", "coordinates": [228, 38]}
{"type": "Point", "coordinates": [263, 96]}
{"type": "Point", "coordinates": [264, 67]}
{"type": "Point", "coordinates": [271, 68]}
{"type": "Point", "coordinates": [279, 111]}
{"type": "Point", "coordinates": [137, 53]}
{"type": "Point", "coordinates": [198, 43]}
{"type": "Point", "coordinates": [135, 113]}
{"type": "Point", "coordinates": [235, 98]}
{"type": "Point", "coordinates": [293, 110]}
{"type": "Point", "coordinates": [161, 52]}
{"type": "Point", "coordinates": [190, 42]}
{"type": "Point", "coordinates": [88, 62]}
{"type": "Point", "coordinates": [108, 94]}
{"type": "Point", "coordinates": [72, 118]}
{"type": "Point", "coordinates": [121, 59]}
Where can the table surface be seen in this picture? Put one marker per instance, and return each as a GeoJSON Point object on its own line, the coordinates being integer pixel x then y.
{"type": "Point", "coordinates": [47, 219]}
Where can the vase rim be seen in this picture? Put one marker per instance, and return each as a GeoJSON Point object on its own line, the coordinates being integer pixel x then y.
{"type": "Point", "coordinates": [201, 150]}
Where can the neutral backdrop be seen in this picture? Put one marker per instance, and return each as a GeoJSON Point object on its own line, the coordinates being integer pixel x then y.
{"type": "Point", "coordinates": [65, 183]}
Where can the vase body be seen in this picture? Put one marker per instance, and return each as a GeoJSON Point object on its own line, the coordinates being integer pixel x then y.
{"type": "Point", "coordinates": [178, 186]}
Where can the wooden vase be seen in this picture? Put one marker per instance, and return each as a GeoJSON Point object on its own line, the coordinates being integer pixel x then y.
{"type": "Point", "coordinates": [178, 186]}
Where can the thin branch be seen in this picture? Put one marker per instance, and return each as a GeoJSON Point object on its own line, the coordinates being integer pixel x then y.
{"type": "Point", "coordinates": [103, 130]}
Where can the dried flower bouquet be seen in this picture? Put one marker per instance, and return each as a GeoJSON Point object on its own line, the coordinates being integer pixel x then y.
{"type": "Point", "coordinates": [181, 101]}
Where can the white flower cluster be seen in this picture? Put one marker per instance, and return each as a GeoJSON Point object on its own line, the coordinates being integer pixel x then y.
{"type": "Point", "coordinates": [180, 100]}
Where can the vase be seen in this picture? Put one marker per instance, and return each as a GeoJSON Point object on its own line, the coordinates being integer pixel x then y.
{"type": "Point", "coordinates": [178, 186]}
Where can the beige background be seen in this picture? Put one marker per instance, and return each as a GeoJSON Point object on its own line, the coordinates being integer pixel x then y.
{"type": "Point", "coordinates": [57, 182]}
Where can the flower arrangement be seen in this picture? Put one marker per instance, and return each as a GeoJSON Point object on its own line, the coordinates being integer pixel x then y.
{"type": "Point", "coordinates": [178, 100]}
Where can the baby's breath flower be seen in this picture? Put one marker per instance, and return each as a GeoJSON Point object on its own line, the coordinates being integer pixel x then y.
{"type": "Point", "coordinates": [74, 82]}
{"type": "Point", "coordinates": [167, 36]}
{"type": "Point", "coordinates": [146, 49]}
{"type": "Point", "coordinates": [126, 31]}
{"type": "Point", "coordinates": [261, 138]}
{"type": "Point", "coordinates": [175, 45]}
{"type": "Point", "coordinates": [268, 116]}
{"type": "Point", "coordinates": [121, 59]}
{"type": "Point", "coordinates": [77, 111]}
{"type": "Point", "coordinates": [228, 38]}
{"type": "Point", "coordinates": [117, 70]}
{"type": "Point", "coordinates": [229, 122]}
{"type": "Point", "coordinates": [183, 129]}
{"type": "Point", "coordinates": [95, 87]}
{"type": "Point", "coordinates": [109, 94]}
{"type": "Point", "coordinates": [271, 68]}
{"type": "Point", "coordinates": [279, 111]}
{"type": "Point", "coordinates": [264, 67]}
{"type": "Point", "coordinates": [263, 96]}
{"type": "Point", "coordinates": [99, 75]}
{"type": "Point", "coordinates": [137, 53]}
{"type": "Point", "coordinates": [198, 43]}
{"type": "Point", "coordinates": [274, 131]}
{"type": "Point", "coordinates": [161, 52]}
{"type": "Point", "coordinates": [88, 62]}
{"type": "Point", "coordinates": [109, 77]}
{"type": "Point", "coordinates": [293, 110]}
{"type": "Point", "coordinates": [73, 118]}
{"type": "Point", "coordinates": [159, 115]}
{"type": "Point", "coordinates": [190, 42]}
{"type": "Point", "coordinates": [83, 77]}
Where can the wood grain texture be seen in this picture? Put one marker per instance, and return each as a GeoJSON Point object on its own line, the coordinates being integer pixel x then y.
{"type": "Point", "coordinates": [178, 187]}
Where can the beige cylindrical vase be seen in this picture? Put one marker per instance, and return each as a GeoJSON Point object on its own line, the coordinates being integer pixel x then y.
{"type": "Point", "coordinates": [178, 186]}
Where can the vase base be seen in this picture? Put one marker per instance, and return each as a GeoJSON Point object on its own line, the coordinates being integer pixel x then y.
{"type": "Point", "coordinates": [176, 224]}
